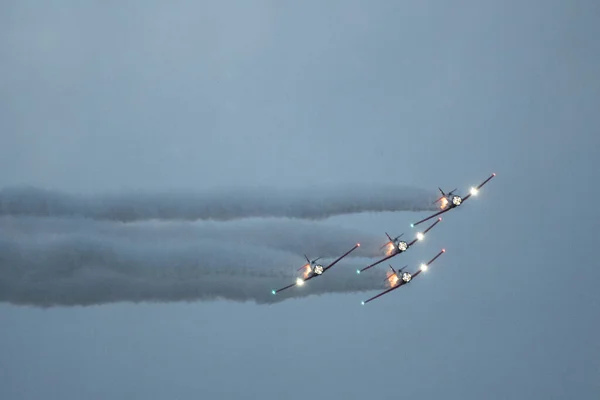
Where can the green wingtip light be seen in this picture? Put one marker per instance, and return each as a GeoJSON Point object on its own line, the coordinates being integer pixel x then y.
{"type": "Point", "coordinates": [412, 225]}
{"type": "Point", "coordinates": [272, 291]}
{"type": "Point", "coordinates": [358, 271]}
{"type": "Point", "coordinates": [362, 302]}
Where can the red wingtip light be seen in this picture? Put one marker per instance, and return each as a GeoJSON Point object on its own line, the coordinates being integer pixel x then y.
{"type": "Point", "coordinates": [494, 174]}
{"type": "Point", "coordinates": [358, 244]}
{"type": "Point", "coordinates": [440, 218]}
{"type": "Point", "coordinates": [443, 250]}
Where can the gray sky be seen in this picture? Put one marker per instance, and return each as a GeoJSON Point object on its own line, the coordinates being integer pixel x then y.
{"type": "Point", "coordinates": [112, 96]}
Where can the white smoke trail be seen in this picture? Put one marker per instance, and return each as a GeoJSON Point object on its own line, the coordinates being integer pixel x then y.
{"type": "Point", "coordinates": [317, 202]}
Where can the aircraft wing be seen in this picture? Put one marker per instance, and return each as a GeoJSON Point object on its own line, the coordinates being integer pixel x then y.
{"type": "Point", "coordinates": [424, 232]}
{"type": "Point", "coordinates": [298, 281]}
{"type": "Point", "coordinates": [431, 216]}
{"type": "Point", "coordinates": [428, 263]}
{"type": "Point", "coordinates": [357, 245]}
{"type": "Point", "coordinates": [377, 262]}
{"type": "Point", "coordinates": [479, 187]}
{"type": "Point", "coordinates": [284, 288]}
{"type": "Point", "coordinates": [384, 292]}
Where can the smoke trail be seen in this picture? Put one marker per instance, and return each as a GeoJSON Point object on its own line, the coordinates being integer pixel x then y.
{"type": "Point", "coordinates": [50, 271]}
{"type": "Point", "coordinates": [316, 202]}
{"type": "Point", "coordinates": [315, 239]}
{"type": "Point", "coordinates": [48, 261]}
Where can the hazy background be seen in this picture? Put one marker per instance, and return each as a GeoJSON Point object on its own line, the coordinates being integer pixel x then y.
{"type": "Point", "coordinates": [99, 97]}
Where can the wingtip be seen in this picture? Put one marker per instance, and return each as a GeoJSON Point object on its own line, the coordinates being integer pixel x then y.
{"type": "Point", "coordinates": [357, 244]}
{"type": "Point", "coordinates": [440, 218]}
{"type": "Point", "coordinates": [443, 250]}
{"type": "Point", "coordinates": [493, 174]}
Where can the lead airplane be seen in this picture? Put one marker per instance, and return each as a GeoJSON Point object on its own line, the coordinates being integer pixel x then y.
{"type": "Point", "coordinates": [399, 246]}
{"type": "Point", "coordinates": [450, 200]}
{"type": "Point", "coordinates": [399, 278]}
{"type": "Point", "coordinates": [312, 270]}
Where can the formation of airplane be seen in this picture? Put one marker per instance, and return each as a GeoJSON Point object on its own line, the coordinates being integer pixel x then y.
{"type": "Point", "coordinates": [394, 246]}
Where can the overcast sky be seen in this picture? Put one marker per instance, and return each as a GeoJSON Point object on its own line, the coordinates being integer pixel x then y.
{"type": "Point", "coordinates": [99, 97]}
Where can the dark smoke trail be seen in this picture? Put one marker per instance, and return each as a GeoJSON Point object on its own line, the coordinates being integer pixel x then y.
{"type": "Point", "coordinates": [315, 239]}
{"type": "Point", "coordinates": [304, 203]}
{"type": "Point", "coordinates": [67, 271]}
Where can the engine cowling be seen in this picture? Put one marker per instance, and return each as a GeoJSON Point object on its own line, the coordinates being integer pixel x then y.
{"type": "Point", "coordinates": [406, 277]}
{"type": "Point", "coordinates": [402, 246]}
{"type": "Point", "coordinates": [456, 200]}
{"type": "Point", "coordinates": [318, 269]}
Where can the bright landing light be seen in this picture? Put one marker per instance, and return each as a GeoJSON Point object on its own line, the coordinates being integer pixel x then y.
{"type": "Point", "coordinates": [424, 267]}
{"type": "Point", "coordinates": [474, 191]}
{"type": "Point", "coordinates": [420, 236]}
{"type": "Point", "coordinates": [299, 282]}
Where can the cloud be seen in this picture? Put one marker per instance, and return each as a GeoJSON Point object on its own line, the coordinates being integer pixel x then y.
{"type": "Point", "coordinates": [313, 203]}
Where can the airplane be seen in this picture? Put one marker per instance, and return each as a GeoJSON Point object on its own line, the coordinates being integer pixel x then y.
{"type": "Point", "coordinates": [399, 246]}
{"type": "Point", "coordinates": [312, 270]}
{"type": "Point", "coordinates": [451, 200]}
{"type": "Point", "coordinates": [398, 279]}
